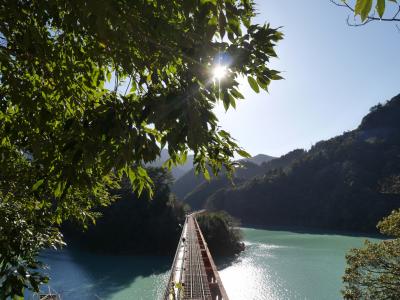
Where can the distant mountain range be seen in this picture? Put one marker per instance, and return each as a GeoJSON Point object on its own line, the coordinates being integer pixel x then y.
{"type": "Point", "coordinates": [339, 184]}
{"type": "Point", "coordinates": [259, 159]}
{"type": "Point", "coordinates": [177, 171]}
{"type": "Point", "coordinates": [190, 182]}
{"type": "Point", "coordinates": [180, 170]}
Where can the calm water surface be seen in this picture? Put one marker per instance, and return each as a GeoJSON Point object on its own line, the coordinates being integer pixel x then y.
{"type": "Point", "coordinates": [275, 265]}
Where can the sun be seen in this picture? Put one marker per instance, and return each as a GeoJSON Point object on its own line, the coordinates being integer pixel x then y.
{"type": "Point", "coordinates": [219, 72]}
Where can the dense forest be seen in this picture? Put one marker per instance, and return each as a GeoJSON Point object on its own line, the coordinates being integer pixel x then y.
{"type": "Point", "coordinates": [194, 190]}
{"type": "Point", "coordinates": [190, 181]}
{"type": "Point", "coordinates": [221, 233]}
{"type": "Point", "coordinates": [339, 184]}
{"type": "Point", "coordinates": [140, 225]}
{"type": "Point", "coordinates": [135, 225]}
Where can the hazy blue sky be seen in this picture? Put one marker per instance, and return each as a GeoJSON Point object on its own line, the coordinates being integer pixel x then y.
{"type": "Point", "coordinates": [333, 75]}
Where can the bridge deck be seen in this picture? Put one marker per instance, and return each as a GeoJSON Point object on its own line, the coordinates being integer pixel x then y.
{"type": "Point", "coordinates": [193, 274]}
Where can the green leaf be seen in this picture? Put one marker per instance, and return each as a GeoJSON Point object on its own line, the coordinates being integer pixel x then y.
{"type": "Point", "coordinates": [232, 101]}
{"type": "Point", "coordinates": [226, 101]}
{"type": "Point", "coordinates": [243, 153]}
{"type": "Point", "coordinates": [362, 8]}
{"type": "Point", "coordinates": [167, 164]}
{"type": "Point", "coordinates": [263, 83]}
{"type": "Point", "coordinates": [237, 94]}
{"type": "Point", "coordinates": [213, 21]}
{"type": "Point", "coordinates": [179, 285]}
{"type": "Point", "coordinates": [37, 184]}
{"type": "Point", "coordinates": [59, 189]}
{"type": "Point", "coordinates": [140, 189]}
{"type": "Point", "coordinates": [253, 84]}
{"type": "Point", "coordinates": [208, 1]}
{"type": "Point", "coordinates": [131, 175]}
{"type": "Point", "coordinates": [206, 175]}
{"type": "Point", "coordinates": [182, 157]}
{"type": "Point", "coordinates": [133, 87]}
{"type": "Point", "coordinates": [224, 134]}
{"type": "Point", "coordinates": [380, 7]}
{"type": "Point", "coordinates": [142, 172]}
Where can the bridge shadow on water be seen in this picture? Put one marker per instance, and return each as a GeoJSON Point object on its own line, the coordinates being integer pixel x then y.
{"type": "Point", "coordinates": [223, 262]}
{"type": "Point", "coordinates": [77, 274]}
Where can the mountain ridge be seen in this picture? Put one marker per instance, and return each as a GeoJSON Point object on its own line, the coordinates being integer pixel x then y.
{"type": "Point", "coordinates": [336, 185]}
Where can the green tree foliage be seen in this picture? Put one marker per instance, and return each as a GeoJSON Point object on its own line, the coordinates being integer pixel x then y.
{"type": "Point", "coordinates": [221, 233]}
{"type": "Point", "coordinates": [371, 10]}
{"type": "Point", "coordinates": [134, 225]}
{"type": "Point", "coordinates": [76, 136]}
{"type": "Point", "coordinates": [373, 272]}
{"type": "Point", "coordinates": [29, 220]}
{"type": "Point", "coordinates": [349, 182]}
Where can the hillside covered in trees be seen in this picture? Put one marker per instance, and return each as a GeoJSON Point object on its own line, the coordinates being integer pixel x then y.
{"type": "Point", "coordinates": [140, 225]}
{"type": "Point", "coordinates": [194, 189]}
{"type": "Point", "coordinates": [339, 184]}
{"type": "Point", "coordinates": [190, 181]}
{"type": "Point", "coordinates": [135, 225]}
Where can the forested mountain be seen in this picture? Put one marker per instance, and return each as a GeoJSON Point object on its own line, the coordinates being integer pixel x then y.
{"type": "Point", "coordinates": [284, 162]}
{"type": "Point", "coordinates": [338, 184]}
{"type": "Point", "coordinates": [197, 187]}
{"type": "Point", "coordinates": [249, 168]}
{"type": "Point", "coordinates": [139, 225]}
{"type": "Point", "coordinates": [194, 190]}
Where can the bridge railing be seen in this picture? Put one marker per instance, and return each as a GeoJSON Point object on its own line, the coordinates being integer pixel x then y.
{"type": "Point", "coordinates": [192, 263]}
{"type": "Point", "coordinates": [171, 289]}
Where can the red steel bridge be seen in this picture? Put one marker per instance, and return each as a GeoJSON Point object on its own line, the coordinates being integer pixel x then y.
{"type": "Point", "coordinates": [193, 273]}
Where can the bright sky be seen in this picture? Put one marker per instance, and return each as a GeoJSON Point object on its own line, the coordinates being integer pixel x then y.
{"type": "Point", "coordinates": [333, 75]}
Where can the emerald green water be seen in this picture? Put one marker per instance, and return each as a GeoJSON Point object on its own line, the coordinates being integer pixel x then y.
{"type": "Point", "coordinates": [275, 265]}
{"type": "Point", "coordinates": [288, 265]}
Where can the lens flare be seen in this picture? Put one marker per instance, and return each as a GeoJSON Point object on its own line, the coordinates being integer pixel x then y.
{"type": "Point", "coordinates": [219, 72]}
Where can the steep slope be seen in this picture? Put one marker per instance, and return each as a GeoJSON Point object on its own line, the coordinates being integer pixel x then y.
{"type": "Point", "coordinates": [194, 190]}
{"type": "Point", "coordinates": [198, 196]}
{"type": "Point", "coordinates": [335, 185]}
{"type": "Point", "coordinates": [187, 183]}
{"type": "Point", "coordinates": [284, 162]}
{"type": "Point", "coordinates": [190, 181]}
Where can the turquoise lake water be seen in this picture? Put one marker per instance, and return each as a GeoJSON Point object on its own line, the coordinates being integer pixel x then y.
{"type": "Point", "coordinates": [275, 265]}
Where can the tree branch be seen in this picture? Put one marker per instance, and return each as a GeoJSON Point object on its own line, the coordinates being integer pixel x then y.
{"type": "Point", "coordinates": [370, 17]}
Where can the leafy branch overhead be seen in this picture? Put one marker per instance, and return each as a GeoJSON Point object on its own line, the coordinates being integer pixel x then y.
{"type": "Point", "coordinates": [371, 10]}
{"type": "Point", "coordinates": [90, 93]}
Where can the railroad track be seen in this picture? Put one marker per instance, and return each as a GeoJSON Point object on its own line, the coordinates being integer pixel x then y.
{"type": "Point", "coordinates": [193, 273]}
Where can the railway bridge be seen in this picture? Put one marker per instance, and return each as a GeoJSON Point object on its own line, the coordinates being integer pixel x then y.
{"type": "Point", "coordinates": [193, 273]}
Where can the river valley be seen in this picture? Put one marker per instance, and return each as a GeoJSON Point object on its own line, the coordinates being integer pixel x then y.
{"type": "Point", "coordinates": [275, 265]}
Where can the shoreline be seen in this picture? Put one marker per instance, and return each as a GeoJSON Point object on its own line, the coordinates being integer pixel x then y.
{"type": "Point", "coordinates": [310, 230]}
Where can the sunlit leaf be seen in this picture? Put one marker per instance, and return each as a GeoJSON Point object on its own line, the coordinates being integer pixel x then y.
{"type": "Point", "coordinates": [380, 7]}
{"type": "Point", "coordinates": [37, 184]}
{"type": "Point", "coordinates": [362, 8]}
{"type": "Point", "coordinates": [253, 84]}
